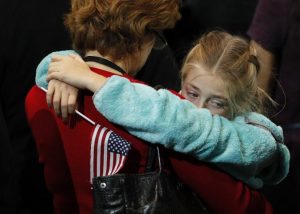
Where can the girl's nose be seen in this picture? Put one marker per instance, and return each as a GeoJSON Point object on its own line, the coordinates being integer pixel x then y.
{"type": "Point", "coordinates": [200, 104]}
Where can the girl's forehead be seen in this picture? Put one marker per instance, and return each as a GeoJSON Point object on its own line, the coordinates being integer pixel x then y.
{"type": "Point", "coordinates": [198, 72]}
{"type": "Point", "coordinates": [206, 81]}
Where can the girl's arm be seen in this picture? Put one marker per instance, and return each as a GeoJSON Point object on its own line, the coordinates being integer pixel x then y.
{"type": "Point", "coordinates": [248, 152]}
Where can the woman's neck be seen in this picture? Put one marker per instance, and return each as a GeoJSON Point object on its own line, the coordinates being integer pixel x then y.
{"type": "Point", "coordinates": [102, 66]}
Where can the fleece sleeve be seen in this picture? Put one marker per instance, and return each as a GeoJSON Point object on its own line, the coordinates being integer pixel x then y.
{"type": "Point", "coordinates": [241, 149]}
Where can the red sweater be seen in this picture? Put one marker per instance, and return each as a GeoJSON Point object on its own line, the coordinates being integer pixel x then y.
{"type": "Point", "coordinates": [64, 149]}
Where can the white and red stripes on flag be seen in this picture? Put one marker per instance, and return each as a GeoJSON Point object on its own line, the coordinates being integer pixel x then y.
{"type": "Point", "coordinates": [108, 152]}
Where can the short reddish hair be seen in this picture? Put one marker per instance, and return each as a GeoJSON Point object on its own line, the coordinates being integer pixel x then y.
{"type": "Point", "coordinates": [118, 28]}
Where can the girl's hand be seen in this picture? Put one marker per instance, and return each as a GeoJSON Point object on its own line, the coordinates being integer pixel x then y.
{"type": "Point", "coordinates": [74, 71]}
{"type": "Point", "coordinates": [70, 69]}
{"type": "Point", "coordinates": [62, 97]}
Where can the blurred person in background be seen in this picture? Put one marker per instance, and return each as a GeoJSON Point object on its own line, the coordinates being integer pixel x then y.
{"type": "Point", "coordinates": [275, 31]}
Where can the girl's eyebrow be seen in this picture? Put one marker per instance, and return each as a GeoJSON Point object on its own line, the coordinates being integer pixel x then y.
{"type": "Point", "coordinates": [219, 97]}
{"type": "Point", "coordinates": [194, 87]}
{"type": "Point", "coordinates": [224, 99]}
{"type": "Point", "coordinates": [213, 96]}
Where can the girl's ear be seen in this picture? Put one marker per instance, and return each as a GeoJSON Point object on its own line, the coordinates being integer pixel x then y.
{"type": "Point", "coordinates": [179, 92]}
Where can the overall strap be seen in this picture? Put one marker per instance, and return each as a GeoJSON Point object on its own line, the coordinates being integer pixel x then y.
{"type": "Point", "coordinates": [103, 61]}
{"type": "Point", "coordinates": [153, 155]}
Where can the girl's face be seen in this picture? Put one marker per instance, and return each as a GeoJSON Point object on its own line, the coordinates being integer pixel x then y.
{"type": "Point", "coordinates": [206, 90]}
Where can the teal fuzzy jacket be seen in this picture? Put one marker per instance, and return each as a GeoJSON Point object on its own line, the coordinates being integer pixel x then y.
{"type": "Point", "coordinates": [249, 147]}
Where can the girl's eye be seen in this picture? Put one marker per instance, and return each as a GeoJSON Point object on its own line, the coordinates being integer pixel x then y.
{"type": "Point", "coordinates": [192, 94]}
{"type": "Point", "coordinates": [216, 104]}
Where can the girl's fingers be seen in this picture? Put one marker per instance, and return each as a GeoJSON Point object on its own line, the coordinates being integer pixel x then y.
{"type": "Point", "coordinates": [49, 94]}
{"type": "Point", "coordinates": [76, 56]}
{"type": "Point", "coordinates": [54, 75]}
{"type": "Point", "coordinates": [56, 57]}
{"type": "Point", "coordinates": [64, 104]}
{"type": "Point", "coordinates": [62, 97]}
{"type": "Point", "coordinates": [72, 103]}
{"type": "Point", "coordinates": [49, 77]}
{"type": "Point", "coordinates": [52, 68]}
{"type": "Point", "coordinates": [56, 102]}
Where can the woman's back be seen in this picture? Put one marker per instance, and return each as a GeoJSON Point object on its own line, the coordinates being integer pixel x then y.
{"type": "Point", "coordinates": [66, 149]}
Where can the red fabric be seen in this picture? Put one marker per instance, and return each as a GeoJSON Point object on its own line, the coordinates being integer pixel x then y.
{"type": "Point", "coordinates": [221, 192]}
{"type": "Point", "coordinates": [47, 133]}
{"type": "Point", "coordinates": [176, 93]}
{"type": "Point", "coordinates": [64, 149]}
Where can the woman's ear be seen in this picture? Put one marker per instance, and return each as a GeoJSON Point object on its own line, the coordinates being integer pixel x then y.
{"type": "Point", "coordinates": [179, 92]}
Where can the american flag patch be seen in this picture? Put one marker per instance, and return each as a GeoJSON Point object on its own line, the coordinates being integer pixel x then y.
{"type": "Point", "coordinates": [108, 152]}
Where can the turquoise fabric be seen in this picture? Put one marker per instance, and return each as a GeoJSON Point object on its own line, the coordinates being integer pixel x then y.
{"type": "Point", "coordinates": [252, 153]}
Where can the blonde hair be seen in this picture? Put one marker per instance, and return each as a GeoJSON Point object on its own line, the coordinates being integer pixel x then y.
{"type": "Point", "coordinates": [235, 61]}
{"type": "Point", "coordinates": [118, 28]}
